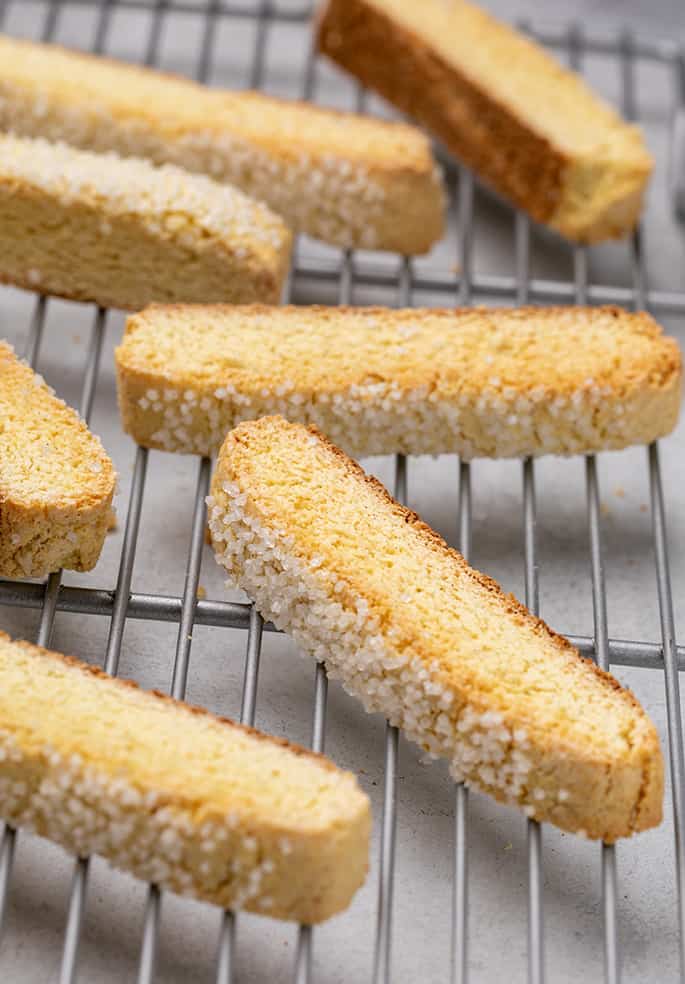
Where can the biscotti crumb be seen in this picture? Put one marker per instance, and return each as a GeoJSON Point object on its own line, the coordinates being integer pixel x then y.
{"type": "Point", "coordinates": [528, 126]}
{"type": "Point", "coordinates": [56, 480]}
{"type": "Point", "coordinates": [173, 235]}
{"type": "Point", "coordinates": [464, 670]}
{"type": "Point", "coordinates": [351, 180]}
{"type": "Point", "coordinates": [174, 795]}
{"type": "Point", "coordinates": [477, 382]}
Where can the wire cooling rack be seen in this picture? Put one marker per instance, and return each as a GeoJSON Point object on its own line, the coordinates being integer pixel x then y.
{"type": "Point", "coordinates": [328, 275]}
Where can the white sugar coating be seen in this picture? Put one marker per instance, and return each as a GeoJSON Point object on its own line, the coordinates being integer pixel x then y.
{"type": "Point", "coordinates": [414, 633]}
{"type": "Point", "coordinates": [181, 206]}
{"type": "Point", "coordinates": [300, 598]}
{"type": "Point", "coordinates": [348, 179]}
{"type": "Point", "coordinates": [567, 381]}
{"type": "Point", "coordinates": [177, 797]}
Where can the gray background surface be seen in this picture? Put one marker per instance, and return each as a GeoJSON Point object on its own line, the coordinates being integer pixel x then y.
{"type": "Point", "coordinates": [497, 849]}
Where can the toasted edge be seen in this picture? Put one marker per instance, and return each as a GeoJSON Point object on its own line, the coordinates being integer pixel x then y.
{"type": "Point", "coordinates": [585, 200]}
{"type": "Point", "coordinates": [40, 538]}
{"type": "Point", "coordinates": [607, 800]}
{"type": "Point", "coordinates": [173, 412]}
{"type": "Point", "coordinates": [305, 877]}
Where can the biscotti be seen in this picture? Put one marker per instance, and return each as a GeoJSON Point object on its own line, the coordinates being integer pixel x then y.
{"type": "Point", "coordinates": [530, 128]}
{"type": "Point", "coordinates": [122, 233]}
{"type": "Point", "coordinates": [409, 628]}
{"type": "Point", "coordinates": [56, 481]}
{"type": "Point", "coordinates": [174, 795]}
{"type": "Point", "coordinates": [493, 383]}
{"type": "Point", "coordinates": [347, 179]}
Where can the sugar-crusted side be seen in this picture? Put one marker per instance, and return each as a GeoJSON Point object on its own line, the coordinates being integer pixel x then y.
{"type": "Point", "coordinates": [477, 382]}
{"type": "Point", "coordinates": [56, 480]}
{"type": "Point", "coordinates": [413, 632]}
{"type": "Point", "coordinates": [174, 795]}
{"type": "Point", "coordinates": [122, 232]}
{"type": "Point", "coordinates": [529, 127]}
{"type": "Point", "coordinates": [344, 178]}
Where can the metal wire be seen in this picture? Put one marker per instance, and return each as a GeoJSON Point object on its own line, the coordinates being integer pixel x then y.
{"type": "Point", "coordinates": [122, 604]}
{"type": "Point", "coordinates": [612, 972]}
{"type": "Point", "coordinates": [494, 287]}
{"type": "Point", "coordinates": [236, 615]}
{"type": "Point", "coordinates": [78, 891]}
{"type": "Point", "coordinates": [459, 951]}
{"type": "Point", "coordinates": [51, 590]}
{"type": "Point", "coordinates": [386, 880]}
{"type": "Point", "coordinates": [152, 919]}
{"type": "Point", "coordinates": [303, 952]}
{"type": "Point", "coordinates": [302, 971]}
{"type": "Point", "coordinates": [536, 968]}
{"type": "Point", "coordinates": [663, 576]}
{"type": "Point", "coordinates": [602, 655]}
{"type": "Point", "coordinates": [459, 954]}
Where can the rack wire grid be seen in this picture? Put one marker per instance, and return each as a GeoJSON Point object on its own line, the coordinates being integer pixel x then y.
{"type": "Point", "coordinates": [459, 889]}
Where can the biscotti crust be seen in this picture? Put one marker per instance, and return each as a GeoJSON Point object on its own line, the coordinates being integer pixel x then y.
{"type": "Point", "coordinates": [223, 849]}
{"type": "Point", "coordinates": [350, 180]}
{"type": "Point", "coordinates": [476, 382]}
{"type": "Point", "coordinates": [592, 781]}
{"type": "Point", "coordinates": [56, 481]}
{"type": "Point", "coordinates": [588, 197]}
{"type": "Point", "coordinates": [139, 233]}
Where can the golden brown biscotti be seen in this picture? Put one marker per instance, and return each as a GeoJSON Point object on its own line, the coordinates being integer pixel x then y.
{"type": "Point", "coordinates": [347, 179]}
{"type": "Point", "coordinates": [409, 628]}
{"type": "Point", "coordinates": [194, 803]}
{"type": "Point", "coordinates": [530, 128]}
{"type": "Point", "coordinates": [494, 383]}
{"type": "Point", "coordinates": [122, 233]}
{"type": "Point", "coordinates": [56, 481]}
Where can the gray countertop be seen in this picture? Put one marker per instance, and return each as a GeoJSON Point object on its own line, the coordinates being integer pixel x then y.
{"type": "Point", "coordinates": [497, 858]}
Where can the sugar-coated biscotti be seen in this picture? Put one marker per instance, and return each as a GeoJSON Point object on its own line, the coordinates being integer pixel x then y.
{"type": "Point", "coordinates": [494, 383]}
{"type": "Point", "coordinates": [122, 233]}
{"type": "Point", "coordinates": [415, 633]}
{"type": "Point", "coordinates": [174, 795]}
{"type": "Point", "coordinates": [56, 481]}
{"type": "Point", "coordinates": [347, 179]}
{"type": "Point", "coordinates": [530, 128]}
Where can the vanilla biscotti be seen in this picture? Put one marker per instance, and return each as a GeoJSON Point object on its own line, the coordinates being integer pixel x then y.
{"type": "Point", "coordinates": [415, 633]}
{"type": "Point", "coordinates": [493, 383]}
{"type": "Point", "coordinates": [347, 179]}
{"type": "Point", "coordinates": [121, 232]}
{"type": "Point", "coordinates": [56, 481]}
{"type": "Point", "coordinates": [173, 794]}
{"type": "Point", "coordinates": [529, 127]}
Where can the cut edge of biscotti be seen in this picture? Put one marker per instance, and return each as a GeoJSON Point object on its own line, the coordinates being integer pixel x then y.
{"type": "Point", "coordinates": [174, 794]}
{"type": "Point", "coordinates": [56, 480]}
{"type": "Point", "coordinates": [604, 198]}
{"type": "Point", "coordinates": [349, 179]}
{"type": "Point", "coordinates": [414, 633]}
{"type": "Point", "coordinates": [597, 192]}
{"type": "Point", "coordinates": [133, 232]}
{"type": "Point", "coordinates": [526, 381]}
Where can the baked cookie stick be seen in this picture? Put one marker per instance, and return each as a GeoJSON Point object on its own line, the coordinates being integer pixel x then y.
{"type": "Point", "coordinates": [480, 383]}
{"type": "Point", "coordinates": [530, 128]}
{"type": "Point", "coordinates": [350, 180]}
{"type": "Point", "coordinates": [56, 481]}
{"type": "Point", "coordinates": [415, 633]}
{"type": "Point", "coordinates": [121, 233]}
{"type": "Point", "coordinates": [173, 794]}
